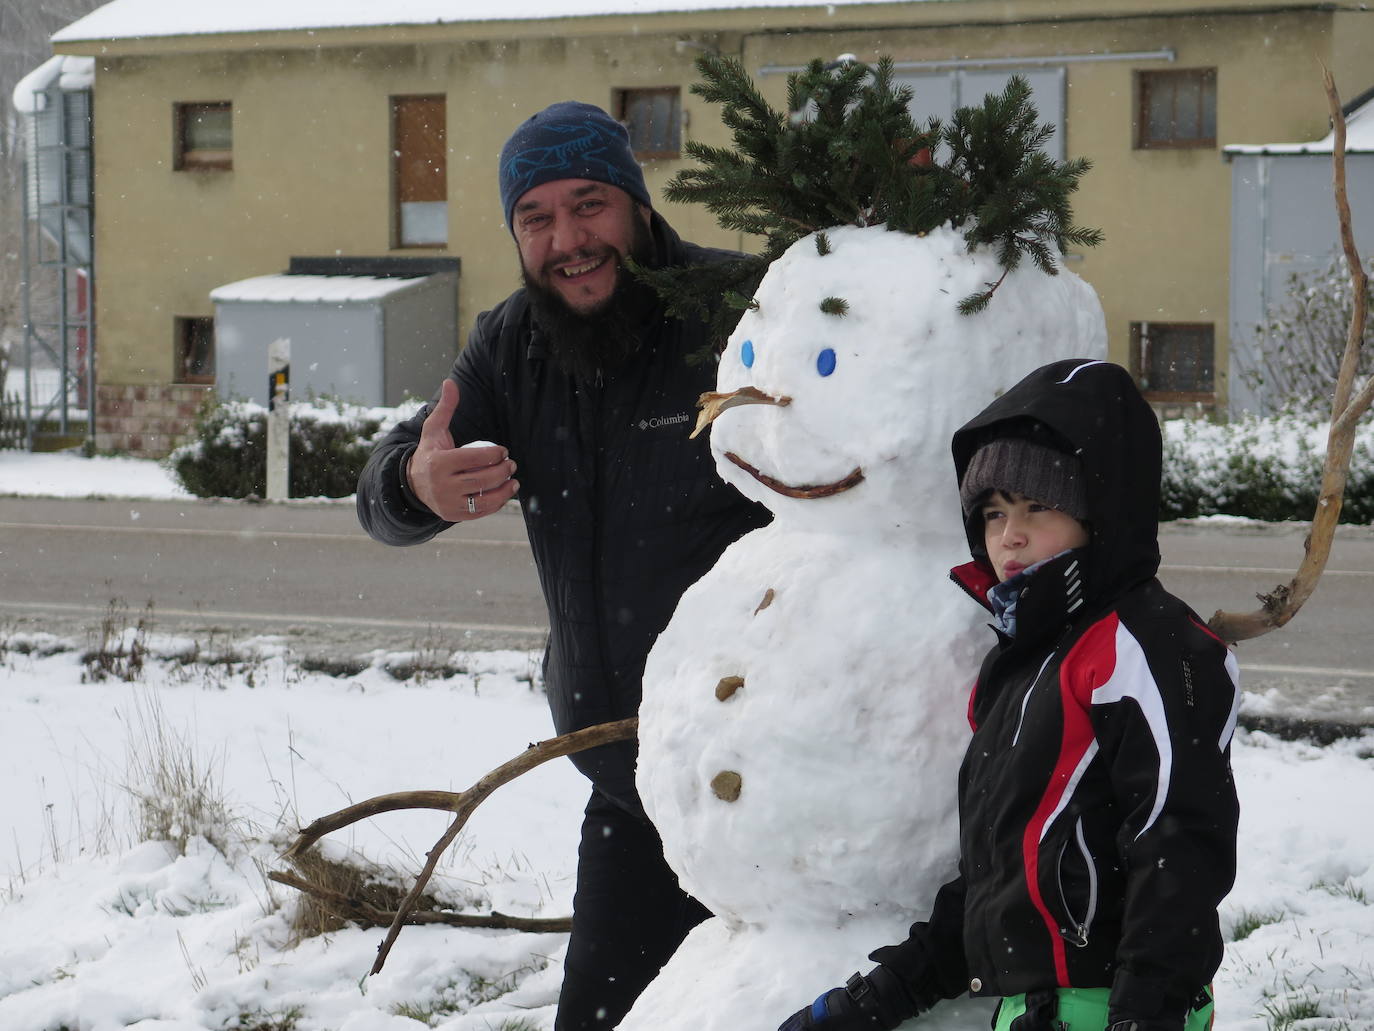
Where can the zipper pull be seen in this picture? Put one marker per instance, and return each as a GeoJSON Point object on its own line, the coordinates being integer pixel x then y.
{"type": "Point", "coordinates": [1075, 935]}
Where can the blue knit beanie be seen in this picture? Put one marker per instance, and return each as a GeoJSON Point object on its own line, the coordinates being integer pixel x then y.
{"type": "Point", "coordinates": [569, 140]}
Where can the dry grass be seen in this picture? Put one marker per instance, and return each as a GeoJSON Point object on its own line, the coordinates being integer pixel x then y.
{"type": "Point", "coordinates": [367, 882]}
{"type": "Point", "coordinates": [177, 794]}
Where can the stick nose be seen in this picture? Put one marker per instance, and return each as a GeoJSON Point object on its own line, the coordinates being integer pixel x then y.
{"type": "Point", "coordinates": [712, 404]}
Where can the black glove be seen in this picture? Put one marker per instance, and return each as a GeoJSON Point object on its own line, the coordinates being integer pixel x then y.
{"type": "Point", "coordinates": [1042, 1007]}
{"type": "Point", "coordinates": [873, 1003]}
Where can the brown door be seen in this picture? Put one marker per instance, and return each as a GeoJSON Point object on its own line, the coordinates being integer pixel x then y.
{"type": "Point", "coordinates": [420, 171]}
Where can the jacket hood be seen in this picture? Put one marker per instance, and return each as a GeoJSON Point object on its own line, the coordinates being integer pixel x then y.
{"type": "Point", "coordinates": [1092, 410]}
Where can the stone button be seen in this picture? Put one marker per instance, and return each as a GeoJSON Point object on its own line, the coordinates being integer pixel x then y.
{"type": "Point", "coordinates": [976, 985]}
{"type": "Point", "coordinates": [726, 784]}
{"type": "Point", "coordinates": [728, 686]}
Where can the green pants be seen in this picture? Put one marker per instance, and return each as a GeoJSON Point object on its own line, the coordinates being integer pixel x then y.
{"type": "Point", "coordinates": [1085, 1009]}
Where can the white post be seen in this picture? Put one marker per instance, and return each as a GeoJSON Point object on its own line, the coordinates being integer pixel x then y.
{"type": "Point", "coordinates": [279, 420]}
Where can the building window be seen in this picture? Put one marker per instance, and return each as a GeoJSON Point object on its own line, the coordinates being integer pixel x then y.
{"type": "Point", "coordinates": [195, 350]}
{"type": "Point", "coordinates": [204, 135]}
{"type": "Point", "coordinates": [654, 120]}
{"type": "Point", "coordinates": [1174, 361]}
{"type": "Point", "coordinates": [1178, 108]}
{"type": "Point", "coordinates": [419, 171]}
{"type": "Point", "coordinates": [939, 93]}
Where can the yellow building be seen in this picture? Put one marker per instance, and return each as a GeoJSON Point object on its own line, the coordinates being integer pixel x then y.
{"type": "Point", "coordinates": [229, 142]}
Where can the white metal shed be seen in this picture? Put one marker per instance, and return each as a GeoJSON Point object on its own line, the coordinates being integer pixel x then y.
{"type": "Point", "coordinates": [371, 339]}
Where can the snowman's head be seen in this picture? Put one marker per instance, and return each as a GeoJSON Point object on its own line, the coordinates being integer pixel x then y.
{"type": "Point", "coordinates": [839, 390]}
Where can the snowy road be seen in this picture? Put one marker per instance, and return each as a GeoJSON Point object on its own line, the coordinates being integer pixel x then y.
{"type": "Point", "coordinates": [1320, 665]}
{"type": "Point", "coordinates": [305, 570]}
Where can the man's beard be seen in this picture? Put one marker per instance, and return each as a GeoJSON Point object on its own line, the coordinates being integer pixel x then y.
{"type": "Point", "coordinates": [585, 344]}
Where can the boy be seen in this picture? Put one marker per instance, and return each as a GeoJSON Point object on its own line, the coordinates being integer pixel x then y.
{"type": "Point", "coordinates": [1096, 806]}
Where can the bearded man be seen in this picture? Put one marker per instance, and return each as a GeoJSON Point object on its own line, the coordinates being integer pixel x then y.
{"type": "Point", "coordinates": [583, 385]}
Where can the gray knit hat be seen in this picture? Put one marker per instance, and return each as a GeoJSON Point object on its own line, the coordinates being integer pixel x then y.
{"type": "Point", "coordinates": [569, 140]}
{"type": "Point", "coordinates": [1018, 466]}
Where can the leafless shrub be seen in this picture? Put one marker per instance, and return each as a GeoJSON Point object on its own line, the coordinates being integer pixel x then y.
{"type": "Point", "coordinates": [118, 649]}
{"type": "Point", "coordinates": [215, 663]}
{"type": "Point", "coordinates": [432, 658]}
{"type": "Point", "coordinates": [332, 666]}
{"type": "Point", "coordinates": [1298, 352]}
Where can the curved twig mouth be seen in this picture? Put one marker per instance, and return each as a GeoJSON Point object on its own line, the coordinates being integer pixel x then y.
{"type": "Point", "coordinates": [810, 490]}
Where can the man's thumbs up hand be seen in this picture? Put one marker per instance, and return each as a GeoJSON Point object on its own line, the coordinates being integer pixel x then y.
{"type": "Point", "coordinates": [435, 430]}
{"type": "Point", "coordinates": [457, 483]}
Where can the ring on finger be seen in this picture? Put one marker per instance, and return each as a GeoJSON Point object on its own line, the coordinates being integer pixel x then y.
{"type": "Point", "coordinates": [472, 504]}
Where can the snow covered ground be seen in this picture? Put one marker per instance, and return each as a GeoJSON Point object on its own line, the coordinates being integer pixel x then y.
{"type": "Point", "coordinates": [99, 930]}
{"type": "Point", "coordinates": [65, 474]}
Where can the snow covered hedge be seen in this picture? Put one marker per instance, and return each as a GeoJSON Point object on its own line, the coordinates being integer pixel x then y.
{"type": "Point", "coordinates": [1262, 468]}
{"type": "Point", "coordinates": [330, 442]}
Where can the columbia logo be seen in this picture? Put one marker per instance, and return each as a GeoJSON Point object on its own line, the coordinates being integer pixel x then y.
{"type": "Point", "coordinates": [664, 420]}
{"type": "Point", "coordinates": [1073, 585]}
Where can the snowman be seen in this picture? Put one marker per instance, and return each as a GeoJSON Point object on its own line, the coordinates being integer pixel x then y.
{"type": "Point", "coordinates": [804, 713]}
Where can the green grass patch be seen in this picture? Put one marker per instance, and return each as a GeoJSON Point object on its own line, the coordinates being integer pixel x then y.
{"type": "Point", "coordinates": [1345, 889]}
{"type": "Point", "coordinates": [1248, 921]}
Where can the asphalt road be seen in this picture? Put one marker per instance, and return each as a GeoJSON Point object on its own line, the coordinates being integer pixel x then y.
{"type": "Point", "coordinates": [302, 570]}
{"type": "Point", "coordinates": [306, 571]}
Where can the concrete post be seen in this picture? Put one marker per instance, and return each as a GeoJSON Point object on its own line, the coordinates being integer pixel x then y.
{"type": "Point", "coordinates": [279, 420]}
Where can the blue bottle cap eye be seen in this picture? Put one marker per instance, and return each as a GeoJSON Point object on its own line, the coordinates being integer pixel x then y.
{"type": "Point", "coordinates": [746, 354]}
{"type": "Point", "coordinates": [825, 361]}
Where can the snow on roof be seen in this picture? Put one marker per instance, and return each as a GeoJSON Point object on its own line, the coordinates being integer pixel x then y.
{"type": "Point", "coordinates": [69, 73]}
{"type": "Point", "coordinates": [127, 19]}
{"type": "Point", "coordinates": [1359, 138]}
{"type": "Point", "coordinates": [282, 288]}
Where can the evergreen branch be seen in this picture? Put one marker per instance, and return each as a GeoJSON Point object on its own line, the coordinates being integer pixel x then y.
{"type": "Point", "coordinates": [713, 294]}
{"type": "Point", "coordinates": [847, 152]}
{"type": "Point", "coordinates": [1081, 237]}
{"type": "Point", "coordinates": [974, 303]}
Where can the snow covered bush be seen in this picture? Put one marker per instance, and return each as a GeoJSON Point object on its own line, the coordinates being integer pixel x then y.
{"type": "Point", "coordinates": [1257, 467]}
{"type": "Point", "coordinates": [330, 442]}
{"type": "Point", "coordinates": [1261, 468]}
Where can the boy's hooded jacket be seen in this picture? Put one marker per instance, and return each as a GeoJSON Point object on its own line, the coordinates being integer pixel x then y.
{"type": "Point", "coordinates": [1097, 810]}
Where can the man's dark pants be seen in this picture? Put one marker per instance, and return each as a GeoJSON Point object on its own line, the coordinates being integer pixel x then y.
{"type": "Point", "coordinates": [629, 916]}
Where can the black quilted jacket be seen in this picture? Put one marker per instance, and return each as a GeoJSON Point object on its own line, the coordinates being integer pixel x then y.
{"type": "Point", "coordinates": [623, 511]}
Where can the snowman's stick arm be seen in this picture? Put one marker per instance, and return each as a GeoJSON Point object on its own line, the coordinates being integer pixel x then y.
{"type": "Point", "coordinates": [1281, 604]}
{"type": "Point", "coordinates": [462, 804]}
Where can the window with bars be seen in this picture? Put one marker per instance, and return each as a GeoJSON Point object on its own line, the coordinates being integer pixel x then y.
{"type": "Point", "coordinates": [203, 136]}
{"type": "Point", "coordinates": [653, 118]}
{"type": "Point", "coordinates": [1177, 108]}
{"type": "Point", "coordinates": [1174, 361]}
{"type": "Point", "coordinates": [195, 350]}
{"type": "Point", "coordinates": [419, 136]}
